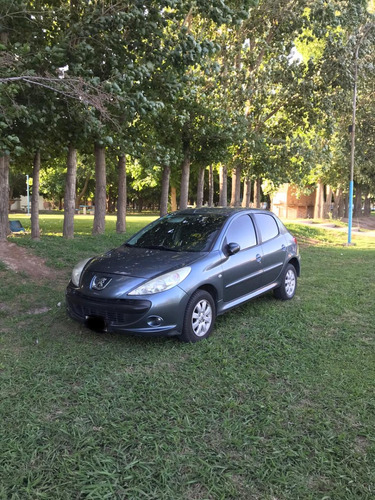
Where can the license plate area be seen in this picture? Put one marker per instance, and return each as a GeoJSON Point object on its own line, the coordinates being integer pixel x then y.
{"type": "Point", "coordinates": [96, 324]}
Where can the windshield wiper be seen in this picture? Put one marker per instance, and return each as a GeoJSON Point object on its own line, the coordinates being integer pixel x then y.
{"type": "Point", "coordinates": [160, 247]}
{"type": "Point", "coordinates": [152, 247]}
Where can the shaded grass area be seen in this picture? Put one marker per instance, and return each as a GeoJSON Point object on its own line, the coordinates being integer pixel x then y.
{"type": "Point", "coordinates": [60, 253]}
{"type": "Point", "coordinates": [278, 403]}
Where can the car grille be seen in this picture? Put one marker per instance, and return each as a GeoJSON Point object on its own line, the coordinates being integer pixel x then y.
{"type": "Point", "coordinates": [118, 312]}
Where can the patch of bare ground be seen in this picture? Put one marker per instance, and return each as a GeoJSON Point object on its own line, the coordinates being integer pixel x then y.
{"type": "Point", "coordinates": [361, 445]}
{"type": "Point", "coordinates": [20, 259]}
{"type": "Point", "coordinates": [198, 491]}
{"type": "Point", "coordinates": [367, 223]}
{"type": "Point", "coordinates": [307, 242]}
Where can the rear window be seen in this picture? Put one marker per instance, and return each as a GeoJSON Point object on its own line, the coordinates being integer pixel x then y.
{"type": "Point", "coordinates": [267, 226]}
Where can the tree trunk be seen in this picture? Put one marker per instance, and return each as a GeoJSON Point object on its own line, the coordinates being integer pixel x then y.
{"type": "Point", "coordinates": [4, 197]}
{"type": "Point", "coordinates": [121, 199]}
{"type": "Point", "coordinates": [165, 190]}
{"type": "Point", "coordinates": [100, 191]}
{"type": "Point", "coordinates": [327, 204]}
{"type": "Point", "coordinates": [84, 190]}
{"type": "Point", "coordinates": [367, 205]}
{"type": "Point", "coordinates": [319, 201]}
{"type": "Point", "coordinates": [341, 207]}
{"type": "Point", "coordinates": [338, 204]}
{"type": "Point", "coordinates": [173, 198]}
{"type": "Point", "coordinates": [185, 174]}
{"type": "Point", "coordinates": [211, 186]}
{"type": "Point", "coordinates": [246, 192]}
{"type": "Point", "coordinates": [70, 193]}
{"type": "Point", "coordinates": [358, 201]}
{"type": "Point", "coordinates": [200, 187]}
{"type": "Point", "coordinates": [223, 186]}
{"type": "Point", "coordinates": [140, 205]}
{"type": "Point", "coordinates": [236, 187]}
{"type": "Point", "coordinates": [35, 231]}
{"type": "Point", "coordinates": [257, 184]}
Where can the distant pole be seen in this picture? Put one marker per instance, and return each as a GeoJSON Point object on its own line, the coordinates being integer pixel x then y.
{"type": "Point", "coordinates": [28, 194]}
{"type": "Point", "coordinates": [366, 28]}
{"type": "Point", "coordinates": [351, 182]}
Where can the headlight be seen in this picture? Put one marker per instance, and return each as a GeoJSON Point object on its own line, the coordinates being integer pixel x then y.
{"type": "Point", "coordinates": [77, 271]}
{"type": "Point", "coordinates": [163, 282]}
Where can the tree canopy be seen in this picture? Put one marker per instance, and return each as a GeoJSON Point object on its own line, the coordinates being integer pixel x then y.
{"type": "Point", "coordinates": [263, 87]}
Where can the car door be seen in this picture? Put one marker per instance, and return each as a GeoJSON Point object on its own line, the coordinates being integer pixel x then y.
{"type": "Point", "coordinates": [242, 270]}
{"type": "Point", "coordinates": [273, 247]}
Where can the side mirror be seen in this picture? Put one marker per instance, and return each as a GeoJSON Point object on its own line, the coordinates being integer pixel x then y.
{"type": "Point", "coordinates": [233, 248]}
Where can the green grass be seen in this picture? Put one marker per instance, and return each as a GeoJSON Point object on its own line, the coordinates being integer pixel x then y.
{"type": "Point", "coordinates": [278, 403]}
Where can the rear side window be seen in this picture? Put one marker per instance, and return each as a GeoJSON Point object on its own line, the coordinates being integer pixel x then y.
{"type": "Point", "coordinates": [267, 226]}
{"type": "Point", "coordinates": [242, 231]}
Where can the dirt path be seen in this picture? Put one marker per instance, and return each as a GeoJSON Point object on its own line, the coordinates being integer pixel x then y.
{"type": "Point", "coordinates": [19, 259]}
{"type": "Point", "coordinates": [363, 225]}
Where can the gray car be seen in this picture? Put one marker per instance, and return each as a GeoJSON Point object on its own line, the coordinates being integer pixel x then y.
{"type": "Point", "coordinates": [181, 271]}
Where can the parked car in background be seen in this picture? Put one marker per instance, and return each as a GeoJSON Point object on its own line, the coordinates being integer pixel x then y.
{"type": "Point", "coordinates": [176, 275]}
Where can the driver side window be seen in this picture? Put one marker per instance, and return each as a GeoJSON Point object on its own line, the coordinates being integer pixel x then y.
{"type": "Point", "coordinates": [242, 231]}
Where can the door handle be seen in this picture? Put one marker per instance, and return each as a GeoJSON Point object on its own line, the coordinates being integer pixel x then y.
{"type": "Point", "coordinates": [258, 257]}
{"type": "Point", "coordinates": [283, 248]}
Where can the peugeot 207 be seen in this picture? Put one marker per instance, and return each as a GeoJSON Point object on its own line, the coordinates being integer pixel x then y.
{"type": "Point", "coordinates": [176, 275]}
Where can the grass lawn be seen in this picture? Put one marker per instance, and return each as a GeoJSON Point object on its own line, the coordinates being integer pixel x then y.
{"type": "Point", "coordinates": [277, 404]}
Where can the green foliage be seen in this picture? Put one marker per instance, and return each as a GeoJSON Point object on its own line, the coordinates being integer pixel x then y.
{"type": "Point", "coordinates": [219, 76]}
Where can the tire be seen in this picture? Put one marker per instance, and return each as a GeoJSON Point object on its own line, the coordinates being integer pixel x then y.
{"type": "Point", "coordinates": [199, 317]}
{"type": "Point", "coordinates": [288, 287]}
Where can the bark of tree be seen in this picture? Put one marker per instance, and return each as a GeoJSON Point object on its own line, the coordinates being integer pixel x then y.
{"type": "Point", "coordinates": [84, 190]}
{"type": "Point", "coordinates": [165, 190]}
{"type": "Point", "coordinates": [341, 209]}
{"type": "Point", "coordinates": [200, 187]}
{"type": "Point", "coordinates": [100, 190]}
{"type": "Point", "coordinates": [246, 192]}
{"type": "Point", "coordinates": [367, 204]}
{"type": "Point", "coordinates": [111, 202]}
{"type": "Point", "coordinates": [257, 185]}
{"type": "Point", "coordinates": [173, 198]}
{"type": "Point", "coordinates": [223, 186]}
{"type": "Point", "coordinates": [319, 201]}
{"type": "Point", "coordinates": [327, 203]}
{"type": "Point", "coordinates": [358, 201]}
{"type": "Point", "coordinates": [140, 204]}
{"type": "Point", "coordinates": [121, 199]}
{"type": "Point", "coordinates": [236, 187]}
{"type": "Point", "coordinates": [4, 197]}
{"type": "Point", "coordinates": [185, 174]}
{"type": "Point", "coordinates": [70, 193]}
{"type": "Point", "coordinates": [338, 205]}
{"type": "Point", "coordinates": [4, 177]}
{"type": "Point", "coordinates": [35, 230]}
{"type": "Point", "coordinates": [211, 186]}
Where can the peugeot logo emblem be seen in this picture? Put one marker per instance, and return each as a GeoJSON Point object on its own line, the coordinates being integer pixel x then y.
{"type": "Point", "coordinates": [100, 283]}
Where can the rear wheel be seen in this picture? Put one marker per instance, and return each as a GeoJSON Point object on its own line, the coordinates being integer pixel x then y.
{"type": "Point", "coordinates": [199, 317]}
{"type": "Point", "coordinates": [287, 289]}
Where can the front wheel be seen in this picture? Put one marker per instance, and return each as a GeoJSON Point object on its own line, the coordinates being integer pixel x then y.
{"type": "Point", "coordinates": [287, 289]}
{"type": "Point", "coordinates": [199, 317]}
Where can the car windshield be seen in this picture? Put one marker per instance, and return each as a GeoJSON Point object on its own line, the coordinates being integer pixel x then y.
{"type": "Point", "coordinates": [180, 233]}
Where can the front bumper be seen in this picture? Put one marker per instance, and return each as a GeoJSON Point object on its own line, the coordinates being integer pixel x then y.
{"type": "Point", "coordinates": [135, 316]}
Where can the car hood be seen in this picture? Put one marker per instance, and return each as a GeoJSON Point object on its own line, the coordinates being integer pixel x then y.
{"type": "Point", "coordinates": [141, 262]}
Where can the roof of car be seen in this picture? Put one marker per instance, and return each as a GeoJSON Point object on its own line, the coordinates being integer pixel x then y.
{"type": "Point", "coordinates": [218, 210]}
